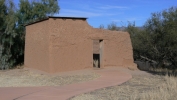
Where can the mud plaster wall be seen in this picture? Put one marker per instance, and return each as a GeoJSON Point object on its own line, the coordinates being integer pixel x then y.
{"type": "Point", "coordinates": [71, 48]}
{"type": "Point", "coordinates": [67, 44]}
{"type": "Point", "coordinates": [117, 48]}
{"type": "Point", "coordinates": [37, 46]}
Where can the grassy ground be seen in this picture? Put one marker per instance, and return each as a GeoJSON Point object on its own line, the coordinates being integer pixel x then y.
{"type": "Point", "coordinates": [140, 87]}
{"type": "Point", "coordinates": [26, 78]}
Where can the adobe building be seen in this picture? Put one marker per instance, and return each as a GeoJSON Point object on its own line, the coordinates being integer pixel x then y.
{"type": "Point", "coordinates": [58, 44]}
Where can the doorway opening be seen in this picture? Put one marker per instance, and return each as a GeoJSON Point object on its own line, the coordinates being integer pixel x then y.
{"type": "Point", "coordinates": [97, 53]}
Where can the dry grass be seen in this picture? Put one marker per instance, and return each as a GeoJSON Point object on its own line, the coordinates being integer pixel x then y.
{"type": "Point", "coordinates": [23, 78]}
{"type": "Point", "coordinates": [166, 91]}
{"type": "Point", "coordinates": [140, 87]}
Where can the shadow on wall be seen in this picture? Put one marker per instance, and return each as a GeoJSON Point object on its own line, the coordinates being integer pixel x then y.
{"type": "Point", "coordinates": [96, 60]}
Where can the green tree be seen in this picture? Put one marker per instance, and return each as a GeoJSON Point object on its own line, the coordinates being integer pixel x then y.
{"type": "Point", "coordinates": [12, 28]}
{"type": "Point", "coordinates": [101, 26]}
{"type": "Point", "coordinates": [163, 32]}
{"type": "Point", "coordinates": [113, 26]}
{"type": "Point", "coordinates": [8, 35]}
{"type": "Point", "coordinates": [158, 41]}
{"type": "Point", "coordinates": [3, 12]}
{"type": "Point", "coordinates": [139, 39]}
{"type": "Point", "coordinates": [3, 9]}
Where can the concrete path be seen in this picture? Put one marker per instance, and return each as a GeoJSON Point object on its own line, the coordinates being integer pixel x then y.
{"type": "Point", "coordinates": [109, 77]}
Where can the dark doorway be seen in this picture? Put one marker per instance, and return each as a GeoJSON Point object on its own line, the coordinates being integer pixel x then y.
{"type": "Point", "coordinates": [97, 53]}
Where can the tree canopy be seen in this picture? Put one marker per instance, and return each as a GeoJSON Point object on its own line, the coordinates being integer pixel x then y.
{"type": "Point", "coordinates": [158, 40]}
{"type": "Point", "coordinates": [12, 27]}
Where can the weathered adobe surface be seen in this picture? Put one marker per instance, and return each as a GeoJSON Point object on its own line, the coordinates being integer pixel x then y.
{"type": "Point", "coordinates": [96, 47]}
{"type": "Point", "coordinates": [57, 44]}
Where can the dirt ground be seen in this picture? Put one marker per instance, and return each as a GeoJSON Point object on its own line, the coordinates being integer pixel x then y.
{"type": "Point", "coordinates": [143, 85]}
{"type": "Point", "coordinates": [29, 77]}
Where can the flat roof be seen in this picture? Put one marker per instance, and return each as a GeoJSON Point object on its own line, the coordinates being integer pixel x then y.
{"type": "Point", "coordinates": [59, 17]}
{"type": "Point", "coordinates": [66, 17]}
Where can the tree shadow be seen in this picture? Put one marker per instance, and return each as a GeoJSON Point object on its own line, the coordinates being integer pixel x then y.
{"type": "Point", "coordinates": [149, 68]}
{"type": "Point", "coordinates": [163, 72]}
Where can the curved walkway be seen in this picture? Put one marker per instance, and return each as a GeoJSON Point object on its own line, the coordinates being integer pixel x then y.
{"type": "Point", "coordinates": [109, 77]}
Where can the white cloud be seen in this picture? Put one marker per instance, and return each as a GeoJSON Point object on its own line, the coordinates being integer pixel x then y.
{"type": "Point", "coordinates": [113, 7]}
{"type": "Point", "coordinates": [84, 13]}
{"type": "Point", "coordinates": [70, 12]}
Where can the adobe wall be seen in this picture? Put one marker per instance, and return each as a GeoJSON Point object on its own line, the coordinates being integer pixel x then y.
{"type": "Point", "coordinates": [37, 46]}
{"type": "Point", "coordinates": [71, 44]}
{"type": "Point", "coordinates": [71, 49]}
{"type": "Point", "coordinates": [117, 48]}
{"type": "Point", "coordinates": [57, 45]}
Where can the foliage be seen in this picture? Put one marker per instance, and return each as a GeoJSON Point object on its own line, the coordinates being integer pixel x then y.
{"type": "Point", "coordinates": [162, 32]}
{"type": "Point", "coordinates": [8, 36]}
{"type": "Point", "coordinates": [12, 28]}
{"type": "Point", "coordinates": [158, 40]}
{"type": "Point", "coordinates": [2, 26]}
{"type": "Point", "coordinates": [2, 15]}
{"type": "Point", "coordinates": [138, 38]}
{"type": "Point", "coordinates": [101, 26]}
{"type": "Point", "coordinates": [113, 26]}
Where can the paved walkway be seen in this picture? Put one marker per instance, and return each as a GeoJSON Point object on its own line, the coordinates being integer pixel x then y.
{"type": "Point", "coordinates": [109, 77]}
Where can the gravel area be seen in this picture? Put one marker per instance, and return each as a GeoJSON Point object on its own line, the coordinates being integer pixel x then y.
{"type": "Point", "coordinates": [29, 78]}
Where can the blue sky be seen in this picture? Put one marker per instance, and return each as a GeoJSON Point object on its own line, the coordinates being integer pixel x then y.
{"type": "Point", "coordinates": [107, 11]}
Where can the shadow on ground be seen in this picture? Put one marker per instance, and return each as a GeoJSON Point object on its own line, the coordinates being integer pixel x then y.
{"type": "Point", "coordinates": [149, 68]}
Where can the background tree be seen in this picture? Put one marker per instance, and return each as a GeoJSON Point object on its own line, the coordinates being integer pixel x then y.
{"type": "Point", "coordinates": [137, 39]}
{"type": "Point", "coordinates": [13, 27]}
{"type": "Point", "coordinates": [113, 26]}
{"type": "Point", "coordinates": [8, 35]}
{"type": "Point", "coordinates": [3, 12]}
{"type": "Point", "coordinates": [158, 40]}
{"type": "Point", "coordinates": [101, 26]}
{"type": "Point", "coordinates": [2, 25]}
{"type": "Point", "coordinates": [161, 29]}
